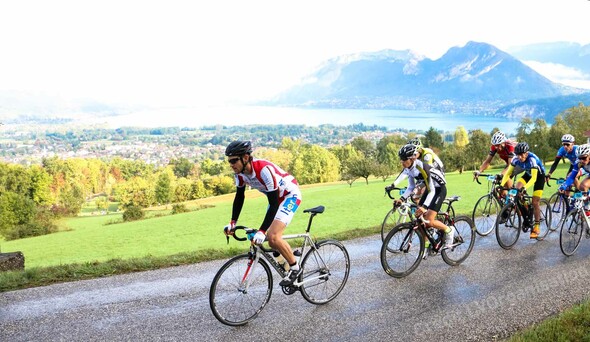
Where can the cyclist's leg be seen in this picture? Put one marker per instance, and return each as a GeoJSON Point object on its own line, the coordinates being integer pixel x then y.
{"type": "Point", "coordinates": [283, 217]}
{"type": "Point", "coordinates": [537, 194]}
{"type": "Point", "coordinates": [433, 207]}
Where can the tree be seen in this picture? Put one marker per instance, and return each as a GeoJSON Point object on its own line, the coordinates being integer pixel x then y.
{"type": "Point", "coordinates": [461, 137]}
{"type": "Point", "coordinates": [182, 167]}
{"type": "Point", "coordinates": [478, 148]}
{"type": "Point", "coordinates": [16, 211]}
{"type": "Point", "coordinates": [315, 164]}
{"type": "Point", "coordinates": [433, 139]}
{"type": "Point", "coordinates": [163, 190]}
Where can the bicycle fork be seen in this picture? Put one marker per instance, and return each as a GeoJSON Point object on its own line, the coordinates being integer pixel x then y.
{"type": "Point", "coordinates": [250, 269]}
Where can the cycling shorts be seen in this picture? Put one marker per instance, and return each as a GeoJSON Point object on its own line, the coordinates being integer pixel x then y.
{"type": "Point", "coordinates": [440, 193]}
{"type": "Point", "coordinates": [288, 207]}
{"type": "Point", "coordinates": [539, 183]}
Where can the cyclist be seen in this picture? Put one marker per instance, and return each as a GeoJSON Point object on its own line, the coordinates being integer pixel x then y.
{"type": "Point", "coordinates": [435, 189]}
{"type": "Point", "coordinates": [534, 174]}
{"type": "Point", "coordinates": [502, 146]}
{"type": "Point", "coordinates": [568, 150]}
{"type": "Point", "coordinates": [282, 192]}
{"type": "Point", "coordinates": [581, 163]}
{"type": "Point", "coordinates": [427, 156]}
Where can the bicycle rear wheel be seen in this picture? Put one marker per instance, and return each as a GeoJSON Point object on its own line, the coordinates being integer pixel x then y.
{"type": "Point", "coordinates": [325, 272]}
{"type": "Point", "coordinates": [545, 221]}
{"type": "Point", "coordinates": [571, 233]}
{"type": "Point", "coordinates": [508, 225]}
{"type": "Point", "coordinates": [394, 217]}
{"type": "Point", "coordinates": [402, 250]}
{"type": "Point", "coordinates": [463, 241]}
{"type": "Point", "coordinates": [558, 210]}
{"type": "Point", "coordinates": [231, 301]}
{"type": "Point", "coordinates": [484, 214]}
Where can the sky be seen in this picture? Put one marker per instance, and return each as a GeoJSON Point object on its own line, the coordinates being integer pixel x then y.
{"type": "Point", "coordinates": [182, 53]}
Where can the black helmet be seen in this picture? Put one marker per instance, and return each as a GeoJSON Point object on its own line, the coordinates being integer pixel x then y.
{"type": "Point", "coordinates": [521, 148]}
{"type": "Point", "coordinates": [238, 148]}
{"type": "Point", "coordinates": [406, 151]}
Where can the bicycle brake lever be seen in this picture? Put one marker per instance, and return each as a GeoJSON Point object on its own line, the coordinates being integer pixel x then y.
{"type": "Point", "coordinates": [227, 238]}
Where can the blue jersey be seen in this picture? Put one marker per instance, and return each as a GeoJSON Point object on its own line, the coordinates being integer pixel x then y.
{"type": "Point", "coordinates": [531, 162]}
{"type": "Point", "coordinates": [572, 176]}
{"type": "Point", "coordinates": [571, 156]}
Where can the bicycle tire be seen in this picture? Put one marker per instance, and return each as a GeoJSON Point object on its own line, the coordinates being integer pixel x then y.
{"type": "Point", "coordinates": [405, 245]}
{"type": "Point", "coordinates": [392, 219]}
{"type": "Point", "coordinates": [508, 232]}
{"type": "Point", "coordinates": [558, 210]}
{"type": "Point", "coordinates": [233, 306]}
{"type": "Point", "coordinates": [465, 233]}
{"type": "Point", "coordinates": [545, 221]}
{"type": "Point", "coordinates": [571, 233]}
{"type": "Point", "coordinates": [329, 260]}
{"type": "Point", "coordinates": [484, 214]}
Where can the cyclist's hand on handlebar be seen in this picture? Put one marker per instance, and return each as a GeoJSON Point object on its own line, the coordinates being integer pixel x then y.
{"type": "Point", "coordinates": [397, 202]}
{"type": "Point", "coordinates": [476, 174]}
{"type": "Point", "coordinates": [259, 237]}
{"type": "Point", "coordinates": [229, 229]}
{"type": "Point", "coordinates": [419, 211]}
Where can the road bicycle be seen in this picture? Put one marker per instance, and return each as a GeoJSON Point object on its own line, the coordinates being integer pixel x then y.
{"type": "Point", "coordinates": [561, 203]}
{"type": "Point", "coordinates": [518, 215]}
{"type": "Point", "coordinates": [488, 206]}
{"type": "Point", "coordinates": [243, 285]}
{"type": "Point", "coordinates": [576, 223]}
{"type": "Point", "coordinates": [405, 245]}
{"type": "Point", "coordinates": [405, 211]}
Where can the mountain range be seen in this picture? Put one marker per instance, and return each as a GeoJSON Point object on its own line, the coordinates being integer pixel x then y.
{"type": "Point", "coordinates": [477, 78]}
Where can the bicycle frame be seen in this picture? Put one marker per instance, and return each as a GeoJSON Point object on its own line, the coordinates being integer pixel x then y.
{"type": "Point", "coordinates": [494, 188]}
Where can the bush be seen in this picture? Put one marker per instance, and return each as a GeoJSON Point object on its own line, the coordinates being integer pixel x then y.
{"type": "Point", "coordinates": [179, 208]}
{"type": "Point", "coordinates": [133, 213]}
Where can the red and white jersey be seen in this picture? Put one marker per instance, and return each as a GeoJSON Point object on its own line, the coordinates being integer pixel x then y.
{"type": "Point", "coordinates": [267, 177]}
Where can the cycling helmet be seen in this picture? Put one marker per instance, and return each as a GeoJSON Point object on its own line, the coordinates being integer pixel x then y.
{"type": "Point", "coordinates": [567, 138]}
{"type": "Point", "coordinates": [238, 148]}
{"type": "Point", "coordinates": [406, 151]}
{"type": "Point", "coordinates": [498, 138]}
{"type": "Point", "coordinates": [583, 150]}
{"type": "Point", "coordinates": [521, 148]}
{"type": "Point", "coordinates": [415, 141]}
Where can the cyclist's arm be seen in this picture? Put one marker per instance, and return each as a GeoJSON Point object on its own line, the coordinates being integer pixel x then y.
{"type": "Point", "coordinates": [534, 173]}
{"type": "Point", "coordinates": [507, 174]}
{"type": "Point", "coordinates": [399, 179]}
{"type": "Point", "coordinates": [553, 166]}
{"type": "Point", "coordinates": [409, 189]}
{"type": "Point", "coordinates": [271, 212]}
{"type": "Point", "coordinates": [571, 177]}
{"type": "Point", "coordinates": [486, 163]}
{"type": "Point", "coordinates": [238, 203]}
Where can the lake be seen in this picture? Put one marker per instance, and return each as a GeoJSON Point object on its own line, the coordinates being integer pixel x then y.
{"type": "Point", "coordinates": [251, 115]}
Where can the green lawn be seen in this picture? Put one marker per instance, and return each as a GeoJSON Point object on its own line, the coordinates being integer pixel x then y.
{"type": "Point", "coordinates": [91, 238]}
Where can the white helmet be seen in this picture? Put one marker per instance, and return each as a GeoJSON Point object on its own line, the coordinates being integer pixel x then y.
{"type": "Point", "coordinates": [583, 150]}
{"type": "Point", "coordinates": [498, 138]}
{"type": "Point", "coordinates": [568, 138]}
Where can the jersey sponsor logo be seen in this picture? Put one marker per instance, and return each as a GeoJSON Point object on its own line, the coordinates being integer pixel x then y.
{"type": "Point", "coordinates": [427, 157]}
{"type": "Point", "coordinates": [291, 204]}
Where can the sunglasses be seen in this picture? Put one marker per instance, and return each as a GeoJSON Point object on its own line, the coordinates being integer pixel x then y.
{"type": "Point", "coordinates": [583, 157]}
{"type": "Point", "coordinates": [233, 160]}
{"type": "Point", "coordinates": [566, 144]}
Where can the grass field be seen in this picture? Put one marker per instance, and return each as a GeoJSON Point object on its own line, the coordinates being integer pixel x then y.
{"type": "Point", "coordinates": [91, 238]}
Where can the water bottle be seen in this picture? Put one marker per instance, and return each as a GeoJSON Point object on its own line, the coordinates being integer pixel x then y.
{"type": "Point", "coordinates": [282, 262]}
{"type": "Point", "coordinates": [297, 254]}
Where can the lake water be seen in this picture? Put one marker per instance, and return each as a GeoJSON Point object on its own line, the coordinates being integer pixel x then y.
{"type": "Point", "coordinates": [239, 116]}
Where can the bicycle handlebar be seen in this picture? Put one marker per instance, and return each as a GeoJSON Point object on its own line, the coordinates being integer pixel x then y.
{"type": "Point", "coordinates": [476, 177]}
{"type": "Point", "coordinates": [250, 232]}
{"type": "Point", "coordinates": [390, 188]}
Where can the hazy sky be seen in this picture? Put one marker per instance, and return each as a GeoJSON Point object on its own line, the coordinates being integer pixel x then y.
{"type": "Point", "coordinates": [186, 52]}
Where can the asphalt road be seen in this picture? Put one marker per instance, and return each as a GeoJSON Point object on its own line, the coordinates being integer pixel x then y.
{"type": "Point", "coordinates": [490, 296]}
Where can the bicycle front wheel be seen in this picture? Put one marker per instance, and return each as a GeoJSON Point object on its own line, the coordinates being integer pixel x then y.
{"type": "Point", "coordinates": [325, 272]}
{"type": "Point", "coordinates": [239, 290]}
{"type": "Point", "coordinates": [508, 225]}
{"type": "Point", "coordinates": [571, 232]}
{"type": "Point", "coordinates": [463, 241]}
{"type": "Point", "coordinates": [484, 214]}
{"type": "Point", "coordinates": [402, 250]}
{"type": "Point", "coordinates": [558, 210]}
{"type": "Point", "coordinates": [545, 221]}
{"type": "Point", "coordinates": [394, 217]}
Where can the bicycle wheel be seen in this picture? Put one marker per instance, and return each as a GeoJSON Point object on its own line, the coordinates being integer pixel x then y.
{"type": "Point", "coordinates": [463, 241]}
{"type": "Point", "coordinates": [571, 232]}
{"type": "Point", "coordinates": [325, 272]}
{"type": "Point", "coordinates": [558, 210]}
{"type": "Point", "coordinates": [508, 226]}
{"type": "Point", "coordinates": [545, 221]}
{"type": "Point", "coordinates": [402, 250]}
{"type": "Point", "coordinates": [484, 214]}
{"type": "Point", "coordinates": [394, 217]}
{"type": "Point", "coordinates": [232, 301]}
